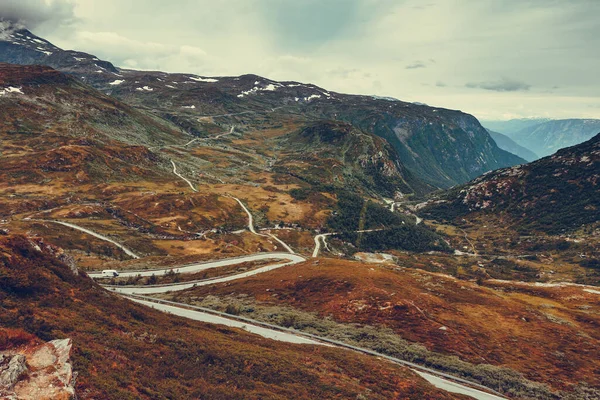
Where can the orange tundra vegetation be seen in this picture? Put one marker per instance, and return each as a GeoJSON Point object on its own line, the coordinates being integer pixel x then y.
{"type": "Point", "coordinates": [542, 332]}
{"type": "Point", "coordinates": [126, 351]}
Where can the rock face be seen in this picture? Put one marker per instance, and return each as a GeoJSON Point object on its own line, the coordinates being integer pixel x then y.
{"type": "Point", "coordinates": [37, 373]}
{"type": "Point", "coordinates": [341, 154]}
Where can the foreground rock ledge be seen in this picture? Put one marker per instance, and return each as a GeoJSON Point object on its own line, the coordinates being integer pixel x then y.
{"type": "Point", "coordinates": [40, 372]}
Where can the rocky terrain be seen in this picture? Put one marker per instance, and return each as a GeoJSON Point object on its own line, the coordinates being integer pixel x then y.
{"type": "Point", "coordinates": [555, 194]}
{"type": "Point", "coordinates": [36, 371]}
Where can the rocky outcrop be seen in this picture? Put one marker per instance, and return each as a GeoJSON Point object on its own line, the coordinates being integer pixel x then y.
{"type": "Point", "coordinates": [349, 157]}
{"type": "Point", "coordinates": [41, 372]}
{"type": "Point", "coordinates": [555, 194]}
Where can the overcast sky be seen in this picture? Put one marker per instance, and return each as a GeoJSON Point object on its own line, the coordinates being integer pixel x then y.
{"type": "Point", "coordinates": [496, 59]}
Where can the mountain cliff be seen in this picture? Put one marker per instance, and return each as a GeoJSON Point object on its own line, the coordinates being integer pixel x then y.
{"type": "Point", "coordinates": [343, 155]}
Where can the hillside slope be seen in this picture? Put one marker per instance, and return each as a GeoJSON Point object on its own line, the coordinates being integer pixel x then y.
{"type": "Point", "coordinates": [122, 350]}
{"type": "Point", "coordinates": [493, 331]}
{"type": "Point", "coordinates": [346, 157]}
{"type": "Point", "coordinates": [554, 194]}
{"type": "Point", "coordinates": [58, 133]}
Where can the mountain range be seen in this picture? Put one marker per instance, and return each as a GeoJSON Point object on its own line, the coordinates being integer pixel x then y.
{"type": "Point", "coordinates": [440, 147]}
{"type": "Point", "coordinates": [544, 137]}
{"type": "Point", "coordinates": [506, 143]}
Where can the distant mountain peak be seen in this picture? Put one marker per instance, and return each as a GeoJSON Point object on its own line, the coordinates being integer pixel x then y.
{"type": "Point", "coordinates": [19, 46]}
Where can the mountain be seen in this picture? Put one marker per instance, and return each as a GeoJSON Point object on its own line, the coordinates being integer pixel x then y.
{"type": "Point", "coordinates": [440, 147]}
{"type": "Point", "coordinates": [512, 126]}
{"type": "Point", "coordinates": [554, 194]}
{"type": "Point", "coordinates": [339, 153]}
{"type": "Point", "coordinates": [54, 123]}
{"type": "Point", "coordinates": [20, 46]}
{"type": "Point", "coordinates": [443, 147]}
{"type": "Point", "coordinates": [548, 137]}
{"type": "Point", "coordinates": [506, 143]}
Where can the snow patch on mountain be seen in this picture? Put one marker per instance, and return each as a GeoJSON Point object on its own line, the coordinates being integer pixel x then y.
{"type": "Point", "coordinates": [269, 88]}
{"type": "Point", "coordinates": [117, 82]}
{"type": "Point", "coordinates": [11, 89]}
{"type": "Point", "coordinates": [207, 80]}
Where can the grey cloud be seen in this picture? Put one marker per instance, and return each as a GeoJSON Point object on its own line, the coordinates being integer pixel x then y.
{"type": "Point", "coordinates": [35, 13]}
{"type": "Point", "coordinates": [343, 72]}
{"type": "Point", "coordinates": [501, 85]}
{"type": "Point", "coordinates": [440, 84]}
{"type": "Point", "coordinates": [416, 65]}
{"type": "Point", "coordinates": [305, 25]}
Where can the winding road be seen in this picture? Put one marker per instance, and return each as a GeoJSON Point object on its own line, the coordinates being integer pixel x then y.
{"type": "Point", "coordinates": [94, 234]}
{"type": "Point", "coordinates": [322, 237]}
{"type": "Point", "coordinates": [199, 267]}
{"type": "Point", "coordinates": [149, 289]}
{"type": "Point", "coordinates": [182, 177]}
{"type": "Point", "coordinates": [318, 239]}
{"type": "Point", "coordinates": [216, 318]}
{"type": "Point", "coordinates": [251, 227]}
{"type": "Point", "coordinates": [438, 379]}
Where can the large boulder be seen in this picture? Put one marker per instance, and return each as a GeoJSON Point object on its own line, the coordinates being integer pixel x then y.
{"type": "Point", "coordinates": [41, 372]}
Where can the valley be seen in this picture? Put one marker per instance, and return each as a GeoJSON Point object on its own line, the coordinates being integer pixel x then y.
{"type": "Point", "coordinates": [274, 239]}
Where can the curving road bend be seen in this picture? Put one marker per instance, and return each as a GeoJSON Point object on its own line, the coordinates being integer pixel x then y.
{"type": "Point", "coordinates": [199, 267]}
{"type": "Point", "coordinates": [251, 227]}
{"type": "Point", "coordinates": [232, 130]}
{"type": "Point", "coordinates": [322, 237]}
{"type": "Point", "coordinates": [318, 239]}
{"type": "Point", "coordinates": [293, 259]}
